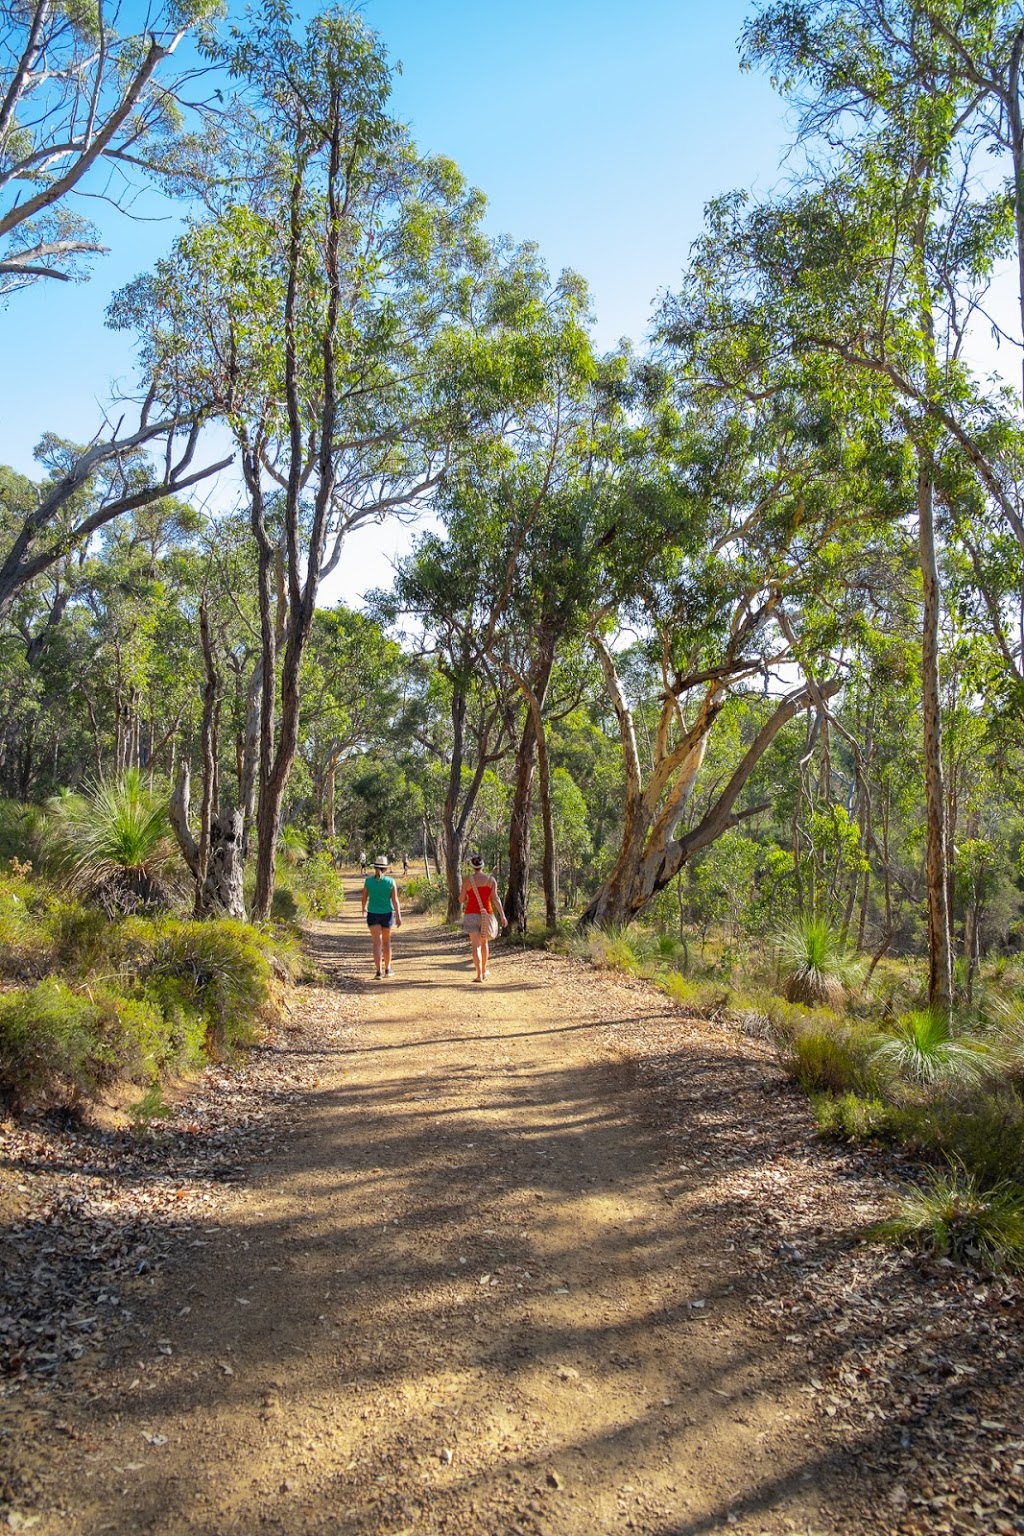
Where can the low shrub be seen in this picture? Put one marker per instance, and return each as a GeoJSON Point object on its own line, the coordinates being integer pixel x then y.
{"type": "Point", "coordinates": [52, 1045]}
{"type": "Point", "coordinates": [704, 999]}
{"type": "Point", "coordinates": [849, 1117]}
{"type": "Point", "coordinates": [23, 832]}
{"type": "Point", "coordinates": [426, 895]}
{"type": "Point", "coordinates": [286, 905]}
{"type": "Point", "coordinates": [954, 1216]}
{"type": "Point", "coordinates": [321, 884]}
{"type": "Point", "coordinates": [817, 964]}
{"type": "Point", "coordinates": [27, 947]}
{"type": "Point", "coordinates": [612, 949]}
{"type": "Point", "coordinates": [828, 1060]}
{"type": "Point", "coordinates": [139, 996]}
{"type": "Point", "coordinates": [223, 962]}
{"type": "Point", "coordinates": [981, 1129]}
{"type": "Point", "coordinates": [115, 845]}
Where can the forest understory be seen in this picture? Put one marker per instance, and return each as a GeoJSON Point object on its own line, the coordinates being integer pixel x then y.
{"type": "Point", "coordinates": [545, 1256]}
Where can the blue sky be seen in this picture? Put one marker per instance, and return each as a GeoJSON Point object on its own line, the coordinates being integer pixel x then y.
{"type": "Point", "coordinates": [596, 129]}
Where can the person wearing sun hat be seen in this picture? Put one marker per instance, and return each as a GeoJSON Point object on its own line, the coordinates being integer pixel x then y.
{"type": "Point", "coordinates": [381, 908]}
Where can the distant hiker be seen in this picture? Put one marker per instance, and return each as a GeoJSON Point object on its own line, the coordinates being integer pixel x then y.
{"type": "Point", "coordinates": [362, 863]}
{"type": "Point", "coordinates": [380, 908]}
{"type": "Point", "coordinates": [405, 866]}
{"type": "Point", "coordinates": [479, 898]}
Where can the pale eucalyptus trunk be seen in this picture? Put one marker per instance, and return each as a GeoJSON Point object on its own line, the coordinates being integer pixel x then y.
{"type": "Point", "coordinates": [650, 855]}
{"type": "Point", "coordinates": [219, 879]}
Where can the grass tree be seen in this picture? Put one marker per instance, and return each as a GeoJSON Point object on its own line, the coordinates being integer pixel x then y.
{"type": "Point", "coordinates": [817, 966]}
{"type": "Point", "coordinates": [114, 843]}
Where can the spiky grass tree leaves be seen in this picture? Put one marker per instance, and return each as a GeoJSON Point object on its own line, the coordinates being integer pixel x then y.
{"type": "Point", "coordinates": [818, 966]}
{"type": "Point", "coordinates": [924, 1049]}
{"type": "Point", "coordinates": [115, 842]}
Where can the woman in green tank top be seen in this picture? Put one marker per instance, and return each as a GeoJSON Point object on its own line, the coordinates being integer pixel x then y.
{"type": "Point", "coordinates": [380, 908]}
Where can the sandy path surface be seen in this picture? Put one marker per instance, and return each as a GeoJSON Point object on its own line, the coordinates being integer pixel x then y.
{"type": "Point", "coordinates": [478, 1286]}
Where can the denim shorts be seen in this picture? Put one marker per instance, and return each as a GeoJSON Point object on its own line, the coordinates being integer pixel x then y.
{"type": "Point", "coordinates": [379, 919]}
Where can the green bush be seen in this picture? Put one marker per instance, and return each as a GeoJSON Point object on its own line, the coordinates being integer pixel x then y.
{"type": "Point", "coordinates": [137, 995]}
{"type": "Point", "coordinates": [426, 895]}
{"type": "Point", "coordinates": [829, 1060]}
{"type": "Point", "coordinates": [321, 884]}
{"type": "Point", "coordinates": [849, 1117]}
{"type": "Point", "coordinates": [286, 905]}
{"type": "Point", "coordinates": [982, 1129]}
{"type": "Point", "coordinates": [705, 999]}
{"type": "Point", "coordinates": [223, 962]}
{"type": "Point", "coordinates": [51, 1045]}
{"type": "Point", "coordinates": [954, 1216]}
{"type": "Point", "coordinates": [23, 832]}
{"type": "Point", "coordinates": [818, 966]}
{"type": "Point", "coordinates": [114, 843]}
{"type": "Point", "coordinates": [27, 946]}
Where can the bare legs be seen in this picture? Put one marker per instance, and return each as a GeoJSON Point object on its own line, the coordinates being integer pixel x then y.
{"type": "Point", "coordinates": [381, 948]}
{"type": "Point", "coordinates": [478, 944]}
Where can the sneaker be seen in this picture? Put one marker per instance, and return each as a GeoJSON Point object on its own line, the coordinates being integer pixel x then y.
{"type": "Point", "coordinates": [377, 975]}
{"type": "Point", "coordinates": [388, 971]}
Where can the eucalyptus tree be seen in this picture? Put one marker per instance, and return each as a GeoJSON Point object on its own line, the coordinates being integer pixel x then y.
{"type": "Point", "coordinates": [352, 690]}
{"type": "Point", "coordinates": [88, 487]}
{"type": "Point", "coordinates": [84, 111]}
{"type": "Point", "coordinates": [503, 588]}
{"type": "Point", "coordinates": [883, 259]}
{"type": "Point", "coordinates": [84, 108]}
{"type": "Point", "coordinates": [471, 724]}
{"type": "Point", "coordinates": [338, 304]}
{"type": "Point", "coordinates": [738, 560]}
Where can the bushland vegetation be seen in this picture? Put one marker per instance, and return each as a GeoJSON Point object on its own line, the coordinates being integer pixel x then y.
{"type": "Point", "coordinates": [713, 646]}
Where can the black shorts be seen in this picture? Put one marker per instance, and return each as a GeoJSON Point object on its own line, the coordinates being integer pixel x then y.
{"type": "Point", "coordinates": [379, 919]}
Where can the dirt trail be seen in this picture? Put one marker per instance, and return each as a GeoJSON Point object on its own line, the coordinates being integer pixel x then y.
{"type": "Point", "coordinates": [479, 1287]}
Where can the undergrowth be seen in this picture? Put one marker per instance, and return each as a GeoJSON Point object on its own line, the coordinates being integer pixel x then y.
{"type": "Point", "coordinates": [878, 1067]}
{"type": "Point", "coordinates": [90, 999]}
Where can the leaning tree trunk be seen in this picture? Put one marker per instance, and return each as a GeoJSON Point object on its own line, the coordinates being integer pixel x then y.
{"type": "Point", "coordinates": [650, 855]}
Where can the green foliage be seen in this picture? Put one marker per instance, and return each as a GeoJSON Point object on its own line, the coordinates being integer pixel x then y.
{"type": "Point", "coordinates": [426, 895]}
{"type": "Point", "coordinates": [292, 845]}
{"type": "Point", "coordinates": [51, 1043]}
{"type": "Point", "coordinates": [955, 1216]}
{"type": "Point", "coordinates": [323, 885]}
{"type": "Point", "coordinates": [704, 999]}
{"type": "Point", "coordinates": [830, 1060]}
{"type": "Point", "coordinates": [310, 887]}
{"type": "Point", "coordinates": [848, 1116]}
{"type": "Point", "coordinates": [28, 945]}
{"type": "Point", "coordinates": [924, 1049]}
{"type": "Point", "coordinates": [819, 967]}
{"type": "Point", "coordinates": [115, 842]}
{"type": "Point", "coordinates": [136, 996]}
{"type": "Point", "coordinates": [224, 964]}
{"type": "Point", "coordinates": [22, 832]}
{"type": "Point", "coordinates": [151, 1107]}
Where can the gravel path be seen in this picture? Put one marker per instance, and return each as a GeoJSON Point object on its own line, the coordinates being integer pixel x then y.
{"type": "Point", "coordinates": [539, 1257]}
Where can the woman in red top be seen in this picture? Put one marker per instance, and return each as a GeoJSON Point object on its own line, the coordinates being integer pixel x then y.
{"type": "Point", "coordinates": [479, 895]}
